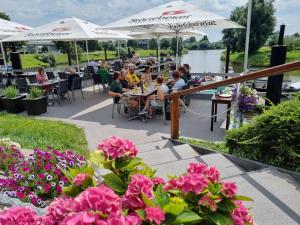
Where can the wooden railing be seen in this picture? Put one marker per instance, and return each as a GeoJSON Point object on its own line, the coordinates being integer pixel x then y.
{"type": "Point", "coordinates": [250, 76]}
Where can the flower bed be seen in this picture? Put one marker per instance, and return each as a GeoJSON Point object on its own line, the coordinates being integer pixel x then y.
{"type": "Point", "coordinates": [127, 197]}
{"type": "Point", "coordinates": [38, 178]}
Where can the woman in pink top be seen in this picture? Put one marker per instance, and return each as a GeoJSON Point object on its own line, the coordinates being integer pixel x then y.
{"type": "Point", "coordinates": [41, 77]}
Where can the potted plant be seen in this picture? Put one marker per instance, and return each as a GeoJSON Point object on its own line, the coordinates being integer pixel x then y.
{"type": "Point", "coordinates": [12, 100]}
{"type": "Point", "coordinates": [35, 103]}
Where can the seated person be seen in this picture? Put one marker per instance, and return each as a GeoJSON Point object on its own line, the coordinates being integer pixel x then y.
{"type": "Point", "coordinates": [123, 80]}
{"type": "Point", "coordinates": [94, 64]}
{"type": "Point", "coordinates": [178, 82]}
{"type": "Point", "coordinates": [71, 76]}
{"type": "Point", "coordinates": [182, 72]}
{"type": "Point", "coordinates": [125, 68]}
{"type": "Point", "coordinates": [156, 101]}
{"type": "Point", "coordinates": [116, 89]}
{"type": "Point", "coordinates": [132, 78]}
{"type": "Point", "coordinates": [41, 76]}
{"type": "Point", "coordinates": [136, 58]}
{"type": "Point", "coordinates": [147, 76]}
{"type": "Point", "coordinates": [188, 74]}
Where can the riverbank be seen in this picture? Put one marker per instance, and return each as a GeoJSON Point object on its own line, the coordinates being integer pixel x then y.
{"type": "Point", "coordinates": [261, 58]}
{"type": "Point", "coordinates": [32, 60]}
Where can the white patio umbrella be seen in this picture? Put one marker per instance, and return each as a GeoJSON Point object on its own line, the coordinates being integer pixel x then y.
{"type": "Point", "coordinates": [9, 28]}
{"type": "Point", "coordinates": [68, 29]}
{"type": "Point", "coordinates": [161, 32]}
{"type": "Point", "coordinates": [175, 16]}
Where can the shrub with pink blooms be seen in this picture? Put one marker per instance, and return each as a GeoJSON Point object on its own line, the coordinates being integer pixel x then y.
{"type": "Point", "coordinates": [10, 154]}
{"type": "Point", "coordinates": [40, 177]}
{"type": "Point", "coordinates": [126, 197]}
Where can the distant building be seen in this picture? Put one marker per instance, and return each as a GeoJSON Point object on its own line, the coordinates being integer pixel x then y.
{"type": "Point", "coordinates": [39, 47]}
{"type": "Point", "coordinates": [143, 43]}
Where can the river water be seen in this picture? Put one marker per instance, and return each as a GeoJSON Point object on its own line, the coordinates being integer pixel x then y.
{"type": "Point", "coordinates": [202, 61]}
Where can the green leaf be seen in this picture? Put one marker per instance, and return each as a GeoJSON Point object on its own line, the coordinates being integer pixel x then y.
{"type": "Point", "coordinates": [115, 182]}
{"type": "Point", "coordinates": [96, 157]}
{"type": "Point", "coordinates": [141, 213]}
{"type": "Point", "coordinates": [127, 163]}
{"type": "Point", "coordinates": [161, 196]}
{"type": "Point", "coordinates": [71, 191]}
{"type": "Point", "coordinates": [242, 198]}
{"type": "Point", "coordinates": [175, 192]}
{"type": "Point", "coordinates": [175, 206]}
{"type": "Point", "coordinates": [89, 169]}
{"type": "Point", "coordinates": [226, 205]}
{"type": "Point", "coordinates": [187, 217]}
{"type": "Point", "coordinates": [220, 219]}
{"type": "Point", "coordinates": [148, 202]}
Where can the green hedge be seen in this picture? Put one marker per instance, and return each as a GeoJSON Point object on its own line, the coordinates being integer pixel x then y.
{"type": "Point", "coordinates": [272, 137]}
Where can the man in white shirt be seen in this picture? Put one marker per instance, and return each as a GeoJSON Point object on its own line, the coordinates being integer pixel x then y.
{"type": "Point", "coordinates": [94, 64]}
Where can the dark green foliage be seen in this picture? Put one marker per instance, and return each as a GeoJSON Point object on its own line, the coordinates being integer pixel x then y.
{"type": "Point", "coordinates": [262, 25]}
{"type": "Point", "coordinates": [152, 43]}
{"type": "Point", "coordinates": [164, 43]}
{"type": "Point", "coordinates": [47, 58]}
{"type": "Point", "coordinates": [174, 45]}
{"type": "Point", "coordinates": [4, 16]}
{"type": "Point", "coordinates": [272, 137]}
{"type": "Point", "coordinates": [132, 43]}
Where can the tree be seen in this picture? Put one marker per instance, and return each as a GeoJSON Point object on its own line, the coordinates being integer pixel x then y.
{"type": "Point", "coordinates": [4, 16]}
{"type": "Point", "coordinates": [165, 43]}
{"type": "Point", "coordinates": [174, 45]}
{"type": "Point", "coordinates": [132, 43]}
{"type": "Point", "coordinates": [192, 39]}
{"type": "Point", "coordinates": [68, 48]}
{"type": "Point", "coordinates": [262, 25]}
{"type": "Point", "coordinates": [153, 44]}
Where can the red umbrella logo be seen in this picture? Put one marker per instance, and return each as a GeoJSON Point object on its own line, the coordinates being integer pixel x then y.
{"type": "Point", "coordinates": [174, 12]}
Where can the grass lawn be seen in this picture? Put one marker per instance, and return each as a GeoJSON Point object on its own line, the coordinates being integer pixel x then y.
{"type": "Point", "coordinates": [29, 61]}
{"type": "Point", "coordinates": [261, 58]}
{"type": "Point", "coordinates": [32, 133]}
{"type": "Point", "coordinates": [217, 146]}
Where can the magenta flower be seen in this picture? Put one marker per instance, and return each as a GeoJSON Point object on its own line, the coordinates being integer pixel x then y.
{"type": "Point", "coordinates": [229, 189]}
{"type": "Point", "coordinates": [196, 168]}
{"type": "Point", "coordinates": [26, 169]}
{"type": "Point", "coordinates": [48, 167]}
{"type": "Point", "coordinates": [116, 147]}
{"type": "Point", "coordinates": [133, 219]}
{"type": "Point", "coordinates": [41, 176]}
{"type": "Point", "coordinates": [212, 174]}
{"type": "Point", "coordinates": [80, 178]}
{"type": "Point", "coordinates": [155, 214]}
{"type": "Point", "coordinates": [47, 188]}
{"type": "Point", "coordinates": [158, 180]}
{"type": "Point", "coordinates": [240, 215]}
{"type": "Point", "coordinates": [192, 183]}
{"type": "Point", "coordinates": [18, 215]}
{"type": "Point", "coordinates": [208, 202]}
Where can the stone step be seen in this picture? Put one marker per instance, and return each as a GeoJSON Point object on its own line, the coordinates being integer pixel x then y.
{"type": "Point", "coordinates": [173, 168]}
{"type": "Point", "coordinates": [154, 145]}
{"type": "Point", "coordinates": [274, 194]}
{"type": "Point", "coordinates": [224, 165]}
{"type": "Point", "coordinates": [170, 154]}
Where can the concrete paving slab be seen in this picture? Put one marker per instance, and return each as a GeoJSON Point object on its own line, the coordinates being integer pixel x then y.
{"type": "Point", "coordinates": [155, 145]}
{"type": "Point", "coordinates": [185, 151]}
{"type": "Point", "coordinates": [158, 157]}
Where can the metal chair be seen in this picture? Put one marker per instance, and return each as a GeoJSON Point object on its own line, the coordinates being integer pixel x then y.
{"type": "Point", "coordinates": [31, 80]}
{"type": "Point", "coordinates": [22, 85]}
{"type": "Point", "coordinates": [50, 75]}
{"type": "Point", "coordinates": [96, 81]}
{"type": "Point", "coordinates": [77, 85]}
{"type": "Point", "coordinates": [62, 75]}
{"type": "Point", "coordinates": [116, 101]}
{"type": "Point", "coordinates": [61, 90]}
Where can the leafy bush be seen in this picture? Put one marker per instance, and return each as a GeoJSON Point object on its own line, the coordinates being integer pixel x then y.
{"type": "Point", "coordinates": [47, 58]}
{"type": "Point", "coordinates": [11, 92]}
{"type": "Point", "coordinates": [10, 154]}
{"type": "Point", "coordinates": [35, 92]}
{"type": "Point", "coordinates": [126, 197]}
{"type": "Point", "coordinates": [272, 137]}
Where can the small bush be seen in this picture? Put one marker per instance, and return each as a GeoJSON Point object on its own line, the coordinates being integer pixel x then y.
{"type": "Point", "coordinates": [272, 137]}
{"type": "Point", "coordinates": [11, 92]}
{"type": "Point", "coordinates": [47, 58]}
{"type": "Point", "coordinates": [35, 92]}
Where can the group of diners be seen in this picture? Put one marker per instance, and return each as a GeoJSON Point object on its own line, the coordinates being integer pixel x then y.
{"type": "Point", "coordinates": [126, 80]}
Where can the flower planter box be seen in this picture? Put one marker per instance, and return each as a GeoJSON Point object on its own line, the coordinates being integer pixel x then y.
{"type": "Point", "coordinates": [13, 105]}
{"type": "Point", "coordinates": [36, 106]}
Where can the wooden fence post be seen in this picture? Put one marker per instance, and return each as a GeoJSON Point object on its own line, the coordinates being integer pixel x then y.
{"type": "Point", "coordinates": [175, 117]}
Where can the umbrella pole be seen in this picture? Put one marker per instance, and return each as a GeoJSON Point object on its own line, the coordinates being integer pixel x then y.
{"type": "Point", "coordinates": [118, 49]}
{"type": "Point", "coordinates": [4, 59]}
{"type": "Point", "coordinates": [87, 50]}
{"type": "Point", "coordinates": [158, 50]}
{"type": "Point", "coordinates": [77, 60]}
{"type": "Point", "coordinates": [177, 47]}
{"type": "Point", "coordinates": [247, 36]}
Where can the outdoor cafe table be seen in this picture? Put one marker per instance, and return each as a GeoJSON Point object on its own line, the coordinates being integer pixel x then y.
{"type": "Point", "coordinates": [139, 95]}
{"type": "Point", "coordinates": [47, 83]}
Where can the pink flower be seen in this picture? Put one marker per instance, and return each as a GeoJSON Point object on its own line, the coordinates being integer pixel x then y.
{"type": "Point", "coordinates": [172, 184]}
{"type": "Point", "coordinates": [196, 168]}
{"type": "Point", "coordinates": [192, 183]}
{"type": "Point", "coordinates": [26, 169]}
{"type": "Point", "coordinates": [116, 147]}
{"type": "Point", "coordinates": [208, 202]}
{"type": "Point", "coordinates": [57, 171]}
{"type": "Point", "coordinates": [47, 188]}
{"type": "Point", "coordinates": [240, 215]}
{"type": "Point", "coordinates": [48, 167]}
{"type": "Point", "coordinates": [229, 189]}
{"type": "Point", "coordinates": [18, 215]}
{"type": "Point", "coordinates": [59, 189]}
{"type": "Point", "coordinates": [80, 178]}
{"type": "Point", "coordinates": [81, 218]}
{"type": "Point", "coordinates": [155, 214]}
{"type": "Point", "coordinates": [41, 176]}
{"type": "Point", "coordinates": [139, 184]}
{"type": "Point", "coordinates": [158, 180]}
{"type": "Point", "coordinates": [20, 195]}
{"type": "Point", "coordinates": [133, 219]}
{"type": "Point", "coordinates": [212, 174]}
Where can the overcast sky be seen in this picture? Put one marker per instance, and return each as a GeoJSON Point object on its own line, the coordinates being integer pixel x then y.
{"type": "Point", "coordinates": [39, 12]}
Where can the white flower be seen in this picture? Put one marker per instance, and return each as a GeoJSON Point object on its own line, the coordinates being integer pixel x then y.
{"type": "Point", "coordinates": [61, 183]}
{"type": "Point", "coordinates": [31, 177]}
{"type": "Point", "coordinates": [39, 188]}
{"type": "Point", "coordinates": [53, 184]}
{"type": "Point", "coordinates": [49, 177]}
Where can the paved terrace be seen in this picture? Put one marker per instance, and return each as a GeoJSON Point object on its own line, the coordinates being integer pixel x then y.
{"type": "Point", "coordinates": [276, 195]}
